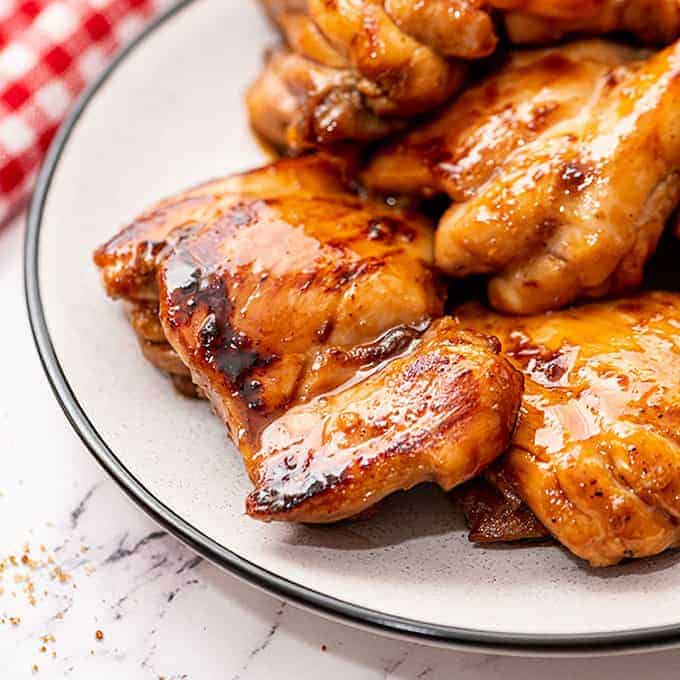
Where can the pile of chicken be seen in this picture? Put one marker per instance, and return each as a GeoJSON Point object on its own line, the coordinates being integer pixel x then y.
{"type": "Point", "coordinates": [316, 301]}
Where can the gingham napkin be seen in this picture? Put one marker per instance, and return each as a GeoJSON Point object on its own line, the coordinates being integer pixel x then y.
{"type": "Point", "coordinates": [49, 51]}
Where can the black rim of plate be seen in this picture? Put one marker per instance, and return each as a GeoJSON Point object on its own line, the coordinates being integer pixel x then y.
{"type": "Point", "coordinates": [489, 641]}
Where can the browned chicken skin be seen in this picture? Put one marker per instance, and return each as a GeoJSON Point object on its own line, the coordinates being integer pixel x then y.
{"type": "Point", "coordinates": [296, 104]}
{"type": "Point", "coordinates": [307, 316]}
{"type": "Point", "coordinates": [545, 21]}
{"type": "Point", "coordinates": [357, 70]}
{"type": "Point", "coordinates": [436, 413]}
{"type": "Point", "coordinates": [596, 455]}
{"type": "Point", "coordinates": [563, 169]}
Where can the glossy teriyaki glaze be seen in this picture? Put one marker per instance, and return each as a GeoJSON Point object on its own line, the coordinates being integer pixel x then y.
{"type": "Point", "coordinates": [292, 304]}
{"type": "Point", "coordinates": [545, 21]}
{"type": "Point", "coordinates": [596, 454]}
{"type": "Point", "coordinates": [359, 70]}
{"type": "Point", "coordinates": [563, 168]}
{"type": "Point", "coordinates": [440, 412]}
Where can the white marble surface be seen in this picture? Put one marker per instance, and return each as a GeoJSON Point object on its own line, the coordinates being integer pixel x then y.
{"type": "Point", "coordinates": [96, 563]}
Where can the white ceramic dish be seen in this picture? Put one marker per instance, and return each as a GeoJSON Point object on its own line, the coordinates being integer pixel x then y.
{"type": "Point", "coordinates": [168, 114]}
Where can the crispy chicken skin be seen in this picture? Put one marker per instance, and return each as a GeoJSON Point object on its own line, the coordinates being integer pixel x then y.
{"type": "Point", "coordinates": [357, 69]}
{"type": "Point", "coordinates": [563, 169]}
{"type": "Point", "coordinates": [546, 21]}
{"type": "Point", "coordinates": [305, 314]}
{"type": "Point", "coordinates": [596, 455]}
{"type": "Point", "coordinates": [436, 413]}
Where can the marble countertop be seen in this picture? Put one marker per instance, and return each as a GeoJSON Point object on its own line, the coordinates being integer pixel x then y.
{"type": "Point", "coordinates": [92, 588]}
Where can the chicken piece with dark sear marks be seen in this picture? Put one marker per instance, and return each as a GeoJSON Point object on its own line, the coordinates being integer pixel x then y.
{"type": "Point", "coordinates": [436, 412]}
{"type": "Point", "coordinates": [310, 319]}
{"type": "Point", "coordinates": [596, 454]}
{"type": "Point", "coordinates": [563, 169]}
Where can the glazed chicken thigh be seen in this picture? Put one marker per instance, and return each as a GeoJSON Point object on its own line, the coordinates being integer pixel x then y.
{"type": "Point", "coordinates": [310, 319]}
{"type": "Point", "coordinates": [596, 455]}
{"type": "Point", "coordinates": [545, 21]}
{"type": "Point", "coordinates": [357, 70]}
{"type": "Point", "coordinates": [563, 169]}
{"type": "Point", "coordinates": [360, 69]}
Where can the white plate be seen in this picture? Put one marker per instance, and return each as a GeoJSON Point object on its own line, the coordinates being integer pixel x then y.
{"type": "Point", "coordinates": [168, 114]}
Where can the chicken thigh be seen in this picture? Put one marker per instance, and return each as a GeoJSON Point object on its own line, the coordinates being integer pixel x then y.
{"type": "Point", "coordinates": [596, 455]}
{"type": "Point", "coordinates": [359, 69]}
{"type": "Point", "coordinates": [546, 21]}
{"type": "Point", "coordinates": [310, 319]}
{"type": "Point", "coordinates": [563, 169]}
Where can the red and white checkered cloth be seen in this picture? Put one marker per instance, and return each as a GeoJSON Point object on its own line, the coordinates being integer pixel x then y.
{"type": "Point", "coordinates": [49, 51]}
